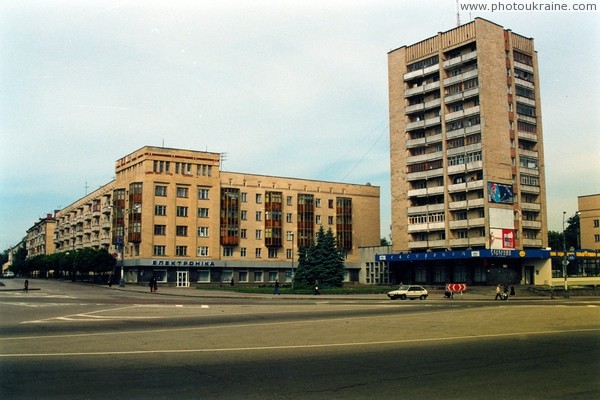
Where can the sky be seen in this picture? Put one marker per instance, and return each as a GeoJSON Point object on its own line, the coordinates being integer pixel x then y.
{"type": "Point", "coordinates": [285, 88]}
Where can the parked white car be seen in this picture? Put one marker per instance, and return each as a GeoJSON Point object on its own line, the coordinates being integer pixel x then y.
{"type": "Point", "coordinates": [408, 292]}
{"type": "Point", "coordinates": [8, 274]}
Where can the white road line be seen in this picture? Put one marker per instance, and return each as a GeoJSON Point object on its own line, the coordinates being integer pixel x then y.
{"type": "Point", "coordinates": [295, 347]}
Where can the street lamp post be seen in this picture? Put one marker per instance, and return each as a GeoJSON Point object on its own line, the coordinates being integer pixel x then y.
{"type": "Point", "coordinates": [292, 262]}
{"type": "Point", "coordinates": [565, 260]}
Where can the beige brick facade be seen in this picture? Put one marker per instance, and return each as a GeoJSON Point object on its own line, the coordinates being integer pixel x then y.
{"type": "Point", "coordinates": [181, 218]}
{"type": "Point", "coordinates": [465, 124]}
{"type": "Point", "coordinates": [589, 221]}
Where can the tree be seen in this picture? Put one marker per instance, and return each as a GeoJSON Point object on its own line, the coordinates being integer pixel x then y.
{"type": "Point", "coordinates": [555, 241]}
{"type": "Point", "coordinates": [321, 261]}
{"type": "Point", "coordinates": [571, 235]}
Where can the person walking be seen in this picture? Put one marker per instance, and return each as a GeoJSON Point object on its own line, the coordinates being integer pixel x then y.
{"type": "Point", "coordinates": [498, 292]}
{"type": "Point", "coordinates": [276, 287]}
{"type": "Point", "coordinates": [26, 285]}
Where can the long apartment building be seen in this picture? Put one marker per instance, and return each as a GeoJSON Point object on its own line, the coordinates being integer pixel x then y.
{"type": "Point", "coordinates": [467, 160]}
{"type": "Point", "coordinates": [173, 214]}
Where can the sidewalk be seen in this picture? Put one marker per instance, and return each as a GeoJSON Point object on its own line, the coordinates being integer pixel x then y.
{"type": "Point", "coordinates": [475, 293]}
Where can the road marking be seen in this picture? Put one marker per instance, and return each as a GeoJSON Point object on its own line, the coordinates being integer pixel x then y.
{"type": "Point", "coordinates": [302, 346]}
{"type": "Point", "coordinates": [89, 316]}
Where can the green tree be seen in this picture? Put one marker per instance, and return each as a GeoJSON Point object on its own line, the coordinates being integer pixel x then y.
{"type": "Point", "coordinates": [555, 241]}
{"type": "Point", "coordinates": [321, 261]}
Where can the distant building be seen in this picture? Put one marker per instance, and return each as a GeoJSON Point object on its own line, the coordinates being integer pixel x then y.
{"type": "Point", "coordinates": [173, 214]}
{"type": "Point", "coordinates": [589, 221]}
{"type": "Point", "coordinates": [40, 237]}
{"type": "Point", "coordinates": [467, 159]}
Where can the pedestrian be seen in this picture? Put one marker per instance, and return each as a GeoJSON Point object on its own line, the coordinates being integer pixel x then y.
{"type": "Point", "coordinates": [317, 288]}
{"type": "Point", "coordinates": [155, 284]}
{"type": "Point", "coordinates": [232, 283]}
{"type": "Point", "coordinates": [512, 290]}
{"type": "Point", "coordinates": [152, 284]}
{"type": "Point", "coordinates": [498, 292]}
{"type": "Point", "coordinates": [26, 287]}
{"type": "Point", "coordinates": [276, 286]}
{"type": "Point", "coordinates": [505, 294]}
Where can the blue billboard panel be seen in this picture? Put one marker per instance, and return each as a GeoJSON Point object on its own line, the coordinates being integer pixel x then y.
{"type": "Point", "coordinates": [500, 193]}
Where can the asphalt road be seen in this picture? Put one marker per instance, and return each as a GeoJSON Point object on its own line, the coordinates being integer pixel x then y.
{"type": "Point", "coordinates": [72, 341]}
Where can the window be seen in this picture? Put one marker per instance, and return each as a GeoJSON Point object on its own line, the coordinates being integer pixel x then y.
{"type": "Point", "coordinates": [258, 252]}
{"type": "Point", "coordinates": [243, 276]}
{"type": "Point", "coordinates": [597, 223]}
{"type": "Point", "coordinates": [244, 215]}
{"type": "Point", "coordinates": [181, 230]}
{"type": "Point", "coordinates": [288, 217]}
{"type": "Point", "coordinates": [243, 252]}
{"type": "Point", "coordinates": [159, 250]}
{"type": "Point", "coordinates": [181, 251]}
{"type": "Point", "coordinates": [244, 233]}
{"type": "Point", "coordinates": [202, 212]}
{"type": "Point", "coordinates": [289, 200]}
{"type": "Point", "coordinates": [160, 210]}
{"type": "Point", "coordinates": [182, 192]}
{"type": "Point", "coordinates": [203, 231]}
{"type": "Point", "coordinates": [202, 193]}
{"type": "Point", "coordinates": [259, 216]}
{"type": "Point", "coordinates": [160, 191]}
{"type": "Point", "coordinates": [258, 198]}
{"type": "Point", "coordinates": [258, 234]}
{"type": "Point", "coordinates": [202, 251]}
{"type": "Point", "coordinates": [272, 252]}
{"type": "Point", "coordinates": [182, 211]}
{"type": "Point", "coordinates": [203, 276]}
{"type": "Point", "coordinates": [273, 275]}
{"type": "Point", "coordinates": [244, 197]}
{"type": "Point", "coordinates": [258, 276]}
{"type": "Point", "coordinates": [160, 230]}
{"type": "Point", "coordinates": [227, 251]}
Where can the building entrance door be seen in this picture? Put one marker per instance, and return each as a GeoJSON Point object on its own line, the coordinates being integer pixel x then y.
{"type": "Point", "coordinates": [183, 279]}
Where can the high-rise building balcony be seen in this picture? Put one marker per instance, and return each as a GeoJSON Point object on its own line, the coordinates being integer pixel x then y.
{"type": "Point", "coordinates": [456, 61]}
{"type": "Point", "coordinates": [532, 242]}
{"type": "Point", "coordinates": [426, 227]}
{"type": "Point", "coordinates": [523, 82]}
{"type": "Point", "coordinates": [532, 137]}
{"type": "Point", "coordinates": [532, 224]}
{"type": "Point", "coordinates": [528, 153]}
{"type": "Point", "coordinates": [531, 206]}
{"type": "Point", "coordinates": [423, 123]}
{"type": "Point", "coordinates": [428, 87]}
{"type": "Point", "coordinates": [428, 208]}
{"type": "Point", "coordinates": [461, 113]}
{"type": "Point", "coordinates": [461, 77]}
{"type": "Point", "coordinates": [526, 100]}
{"type": "Point", "coordinates": [530, 171]}
{"type": "Point", "coordinates": [524, 67]}
{"type": "Point", "coordinates": [433, 173]}
{"type": "Point", "coordinates": [424, 157]}
{"type": "Point", "coordinates": [421, 72]}
{"type": "Point", "coordinates": [530, 189]}
{"type": "Point", "coordinates": [451, 98]}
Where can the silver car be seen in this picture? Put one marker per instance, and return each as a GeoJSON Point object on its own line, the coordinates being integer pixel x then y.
{"type": "Point", "coordinates": [408, 292]}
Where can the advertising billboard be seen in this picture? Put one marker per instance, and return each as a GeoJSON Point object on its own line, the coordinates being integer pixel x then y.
{"type": "Point", "coordinates": [500, 193]}
{"type": "Point", "coordinates": [502, 238]}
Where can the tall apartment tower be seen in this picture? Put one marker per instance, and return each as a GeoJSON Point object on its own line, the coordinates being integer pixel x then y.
{"type": "Point", "coordinates": [467, 160]}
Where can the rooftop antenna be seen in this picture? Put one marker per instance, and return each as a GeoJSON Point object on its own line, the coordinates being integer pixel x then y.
{"type": "Point", "coordinates": [86, 187]}
{"type": "Point", "coordinates": [223, 159]}
{"type": "Point", "coordinates": [457, 13]}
